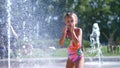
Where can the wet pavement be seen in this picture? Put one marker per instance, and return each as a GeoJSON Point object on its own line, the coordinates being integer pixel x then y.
{"type": "Point", "coordinates": [54, 63]}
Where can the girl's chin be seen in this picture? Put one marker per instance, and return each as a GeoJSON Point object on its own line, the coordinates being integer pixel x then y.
{"type": "Point", "coordinates": [68, 26]}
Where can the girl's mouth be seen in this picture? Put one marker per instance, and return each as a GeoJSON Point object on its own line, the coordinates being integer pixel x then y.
{"type": "Point", "coordinates": [68, 26]}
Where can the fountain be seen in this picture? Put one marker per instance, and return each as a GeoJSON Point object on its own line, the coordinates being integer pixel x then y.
{"type": "Point", "coordinates": [30, 25]}
{"type": "Point", "coordinates": [99, 60]}
{"type": "Point", "coordinates": [94, 39]}
{"type": "Point", "coordinates": [8, 32]}
{"type": "Point", "coordinates": [35, 29]}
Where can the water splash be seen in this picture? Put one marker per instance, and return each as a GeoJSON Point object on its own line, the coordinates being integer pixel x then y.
{"type": "Point", "coordinates": [94, 39]}
{"type": "Point", "coordinates": [8, 26]}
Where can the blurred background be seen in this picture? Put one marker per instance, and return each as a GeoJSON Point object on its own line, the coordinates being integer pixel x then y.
{"type": "Point", "coordinates": [38, 25]}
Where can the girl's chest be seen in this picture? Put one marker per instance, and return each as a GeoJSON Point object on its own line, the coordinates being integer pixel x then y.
{"type": "Point", "coordinates": [69, 35]}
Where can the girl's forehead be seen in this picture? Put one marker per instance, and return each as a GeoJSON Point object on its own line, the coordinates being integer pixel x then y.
{"type": "Point", "coordinates": [69, 17]}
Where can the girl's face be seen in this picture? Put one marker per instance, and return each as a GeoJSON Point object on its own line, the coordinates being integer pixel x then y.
{"type": "Point", "coordinates": [69, 21]}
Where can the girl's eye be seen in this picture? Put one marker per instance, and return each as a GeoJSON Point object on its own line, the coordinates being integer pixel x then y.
{"type": "Point", "coordinates": [71, 20]}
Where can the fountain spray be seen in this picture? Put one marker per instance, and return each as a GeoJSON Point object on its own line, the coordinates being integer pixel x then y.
{"type": "Point", "coordinates": [94, 39]}
{"type": "Point", "coordinates": [8, 28]}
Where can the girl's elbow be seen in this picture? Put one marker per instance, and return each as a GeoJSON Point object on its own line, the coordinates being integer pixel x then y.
{"type": "Point", "coordinates": [76, 42]}
{"type": "Point", "coordinates": [61, 44]}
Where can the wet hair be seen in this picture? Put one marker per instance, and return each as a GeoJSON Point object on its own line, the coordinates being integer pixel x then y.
{"type": "Point", "coordinates": [69, 14]}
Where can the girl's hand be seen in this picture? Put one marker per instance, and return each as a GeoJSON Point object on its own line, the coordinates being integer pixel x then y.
{"type": "Point", "coordinates": [71, 27]}
{"type": "Point", "coordinates": [65, 30]}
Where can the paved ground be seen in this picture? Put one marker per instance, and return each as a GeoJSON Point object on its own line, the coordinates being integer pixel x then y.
{"type": "Point", "coordinates": [61, 65]}
{"type": "Point", "coordinates": [56, 63]}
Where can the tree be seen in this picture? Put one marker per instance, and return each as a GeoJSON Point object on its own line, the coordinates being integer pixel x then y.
{"type": "Point", "coordinates": [104, 12]}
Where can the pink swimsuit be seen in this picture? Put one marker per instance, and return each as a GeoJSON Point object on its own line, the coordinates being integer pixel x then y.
{"type": "Point", "coordinates": [75, 52]}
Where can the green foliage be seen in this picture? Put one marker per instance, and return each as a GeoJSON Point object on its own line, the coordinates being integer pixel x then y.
{"type": "Point", "coordinates": [62, 52]}
{"type": "Point", "coordinates": [105, 53]}
{"type": "Point", "coordinates": [86, 43]}
{"type": "Point", "coordinates": [105, 12]}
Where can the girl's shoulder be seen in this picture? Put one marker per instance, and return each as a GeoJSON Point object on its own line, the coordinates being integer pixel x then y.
{"type": "Point", "coordinates": [78, 29]}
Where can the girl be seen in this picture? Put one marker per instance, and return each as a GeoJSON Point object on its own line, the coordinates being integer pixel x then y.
{"type": "Point", "coordinates": [74, 34]}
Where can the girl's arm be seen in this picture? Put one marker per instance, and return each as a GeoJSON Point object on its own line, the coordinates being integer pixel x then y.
{"type": "Point", "coordinates": [77, 38]}
{"type": "Point", "coordinates": [62, 39]}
